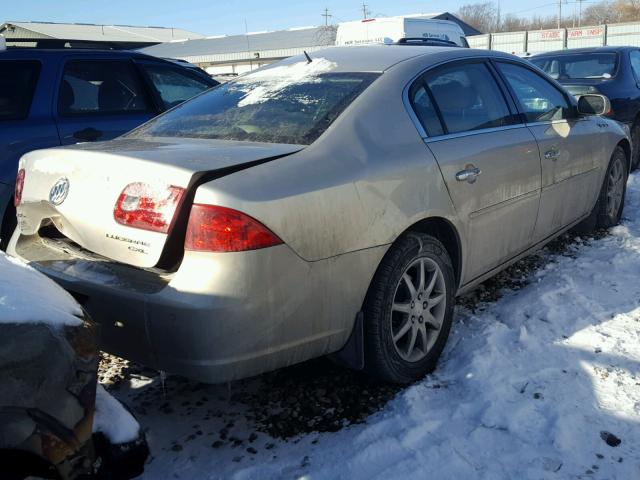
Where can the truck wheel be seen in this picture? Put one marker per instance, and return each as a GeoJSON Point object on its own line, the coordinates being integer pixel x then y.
{"type": "Point", "coordinates": [408, 310]}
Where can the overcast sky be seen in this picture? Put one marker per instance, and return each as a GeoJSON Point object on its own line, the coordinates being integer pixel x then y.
{"type": "Point", "coordinates": [212, 17]}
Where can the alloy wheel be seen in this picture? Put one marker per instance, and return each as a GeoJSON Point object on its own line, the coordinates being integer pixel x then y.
{"type": "Point", "coordinates": [615, 187]}
{"type": "Point", "coordinates": [418, 309]}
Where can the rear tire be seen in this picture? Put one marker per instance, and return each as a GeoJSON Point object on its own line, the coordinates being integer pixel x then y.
{"type": "Point", "coordinates": [408, 310]}
{"type": "Point", "coordinates": [608, 208]}
{"type": "Point", "coordinates": [635, 146]}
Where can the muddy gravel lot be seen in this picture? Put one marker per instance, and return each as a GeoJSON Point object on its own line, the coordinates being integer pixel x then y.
{"type": "Point", "coordinates": [263, 414]}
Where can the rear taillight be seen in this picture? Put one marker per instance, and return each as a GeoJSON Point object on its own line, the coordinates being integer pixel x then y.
{"type": "Point", "coordinates": [220, 229]}
{"type": "Point", "coordinates": [148, 208]}
{"type": "Point", "coordinates": [17, 197]}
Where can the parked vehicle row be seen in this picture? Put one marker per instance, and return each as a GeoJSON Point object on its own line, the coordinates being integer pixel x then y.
{"type": "Point", "coordinates": [333, 203]}
{"type": "Point", "coordinates": [610, 71]}
{"type": "Point", "coordinates": [62, 97]}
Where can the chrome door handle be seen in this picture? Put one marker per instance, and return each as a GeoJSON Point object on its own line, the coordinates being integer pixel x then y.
{"type": "Point", "coordinates": [552, 154]}
{"type": "Point", "coordinates": [468, 174]}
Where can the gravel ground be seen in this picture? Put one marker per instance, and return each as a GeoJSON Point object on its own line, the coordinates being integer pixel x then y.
{"type": "Point", "coordinates": [263, 412]}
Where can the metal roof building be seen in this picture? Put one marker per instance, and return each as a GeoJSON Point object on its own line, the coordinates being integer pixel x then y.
{"type": "Point", "coordinates": [240, 53]}
{"type": "Point", "coordinates": [46, 34]}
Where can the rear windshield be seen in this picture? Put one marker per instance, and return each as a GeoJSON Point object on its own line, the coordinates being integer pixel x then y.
{"type": "Point", "coordinates": [583, 65]}
{"type": "Point", "coordinates": [18, 80]}
{"type": "Point", "coordinates": [293, 103]}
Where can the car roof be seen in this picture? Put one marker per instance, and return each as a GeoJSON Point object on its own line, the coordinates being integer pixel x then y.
{"type": "Point", "coordinates": [570, 51]}
{"type": "Point", "coordinates": [25, 52]}
{"type": "Point", "coordinates": [378, 58]}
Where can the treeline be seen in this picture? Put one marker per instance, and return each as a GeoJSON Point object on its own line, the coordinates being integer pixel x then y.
{"type": "Point", "coordinates": [486, 16]}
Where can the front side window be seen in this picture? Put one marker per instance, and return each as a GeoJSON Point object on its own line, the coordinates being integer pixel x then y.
{"type": "Point", "coordinates": [468, 97]}
{"type": "Point", "coordinates": [583, 65]}
{"type": "Point", "coordinates": [539, 99]}
{"type": "Point", "coordinates": [18, 80]}
{"type": "Point", "coordinates": [291, 103]}
{"type": "Point", "coordinates": [173, 85]}
{"type": "Point", "coordinates": [101, 87]}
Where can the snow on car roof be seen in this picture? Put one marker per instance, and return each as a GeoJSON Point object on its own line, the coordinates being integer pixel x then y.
{"type": "Point", "coordinates": [27, 296]}
{"type": "Point", "coordinates": [378, 58]}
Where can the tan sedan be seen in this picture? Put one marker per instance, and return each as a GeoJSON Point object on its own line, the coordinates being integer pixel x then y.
{"type": "Point", "coordinates": [334, 204]}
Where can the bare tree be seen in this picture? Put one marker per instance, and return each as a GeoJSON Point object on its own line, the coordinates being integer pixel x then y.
{"type": "Point", "coordinates": [485, 16]}
{"type": "Point", "coordinates": [481, 16]}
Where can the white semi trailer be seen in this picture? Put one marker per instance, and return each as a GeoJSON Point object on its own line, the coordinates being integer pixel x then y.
{"type": "Point", "coordinates": [392, 29]}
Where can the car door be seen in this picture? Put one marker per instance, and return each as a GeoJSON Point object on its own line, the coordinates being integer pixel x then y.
{"type": "Point", "coordinates": [173, 84]}
{"type": "Point", "coordinates": [489, 161]}
{"type": "Point", "coordinates": [566, 143]}
{"type": "Point", "coordinates": [100, 99]}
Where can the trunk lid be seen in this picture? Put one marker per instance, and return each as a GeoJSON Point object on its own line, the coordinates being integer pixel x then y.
{"type": "Point", "coordinates": [94, 175]}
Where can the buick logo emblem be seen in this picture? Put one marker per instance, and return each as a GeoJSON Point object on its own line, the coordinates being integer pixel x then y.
{"type": "Point", "coordinates": [59, 191]}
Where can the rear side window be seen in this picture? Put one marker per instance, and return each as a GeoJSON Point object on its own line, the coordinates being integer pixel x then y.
{"type": "Point", "coordinates": [539, 99]}
{"type": "Point", "coordinates": [425, 110]}
{"type": "Point", "coordinates": [18, 80]}
{"type": "Point", "coordinates": [467, 98]}
{"type": "Point", "coordinates": [101, 87]}
{"type": "Point", "coordinates": [174, 85]}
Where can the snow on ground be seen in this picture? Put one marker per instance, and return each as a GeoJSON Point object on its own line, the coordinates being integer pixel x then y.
{"type": "Point", "coordinates": [543, 383]}
{"type": "Point", "coordinates": [27, 296]}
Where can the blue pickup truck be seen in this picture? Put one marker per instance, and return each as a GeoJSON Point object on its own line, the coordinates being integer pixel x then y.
{"type": "Point", "coordinates": [59, 97]}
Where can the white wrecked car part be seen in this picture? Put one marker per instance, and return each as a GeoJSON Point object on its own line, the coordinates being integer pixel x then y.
{"type": "Point", "coordinates": [113, 420]}
{"type": "Point", "coordinates": [27, 296]}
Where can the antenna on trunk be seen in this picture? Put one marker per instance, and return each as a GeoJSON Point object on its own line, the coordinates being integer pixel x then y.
{"type": "Point", "coordinates": [308, 57]}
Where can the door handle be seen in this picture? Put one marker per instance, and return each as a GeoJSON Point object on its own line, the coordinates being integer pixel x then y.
{"type": "Point", "coordinates": [469, 174]}
{"type": "Point", "coordinates": [88, 134]}
{"type": "Point", "coordinates": [552, 154]}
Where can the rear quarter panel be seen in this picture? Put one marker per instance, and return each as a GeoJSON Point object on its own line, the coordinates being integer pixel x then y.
{"type": "Point", "coordinates": [360, 185]}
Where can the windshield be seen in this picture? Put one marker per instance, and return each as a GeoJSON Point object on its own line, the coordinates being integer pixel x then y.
{"type": "Point", "coordinates": [293, 103]}
{"type": "Point", "coordinates": [583, 65]}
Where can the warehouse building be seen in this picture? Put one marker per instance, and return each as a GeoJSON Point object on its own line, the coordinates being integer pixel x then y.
{"type": "Point", "coordinates": [58, 35]}
{"type": "Point", "coordinates": [237, 54]}
{"type": "Point", "coordinates": [241, 53]}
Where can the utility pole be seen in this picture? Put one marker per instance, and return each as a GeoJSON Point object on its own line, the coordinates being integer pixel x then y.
{"type": "Point", "coordinates": [326, 16]}
{"type": "Point", "coordinates": [365, 11]}
{"type": "Point", "coordinates": [559, 12]}
{"type": "Point", "coordinates": [579, 13]}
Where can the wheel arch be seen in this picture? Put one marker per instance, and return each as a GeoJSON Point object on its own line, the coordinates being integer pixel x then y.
{"type": "Point", "coordinates": [446, 232]}
{"type": "Point", "coordinates": [626, 146]}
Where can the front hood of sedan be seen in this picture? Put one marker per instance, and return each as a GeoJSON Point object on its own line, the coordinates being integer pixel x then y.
{"type": "Point", "coordinates": [76, 188]}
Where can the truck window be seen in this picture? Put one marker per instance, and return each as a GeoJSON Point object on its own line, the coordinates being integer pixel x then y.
{"type": "Point", "coordinates": [18, 80]}
{"type": "Point", "coordinates": [101, 87]}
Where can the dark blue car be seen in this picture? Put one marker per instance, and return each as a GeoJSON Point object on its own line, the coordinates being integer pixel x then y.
{"type": "Point", "coordinates": [58, 97]}
{"type": "Point", "coordinates": [610, 71]}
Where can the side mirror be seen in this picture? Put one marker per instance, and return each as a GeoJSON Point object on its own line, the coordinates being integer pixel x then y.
{"type": "Point", "coordinates": [592, 104]}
